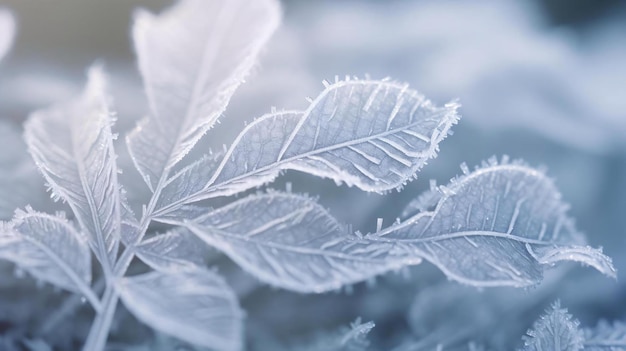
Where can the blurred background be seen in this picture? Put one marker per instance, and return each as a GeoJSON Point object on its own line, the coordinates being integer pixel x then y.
{"type": "Point", "coordinates": [543, 81]}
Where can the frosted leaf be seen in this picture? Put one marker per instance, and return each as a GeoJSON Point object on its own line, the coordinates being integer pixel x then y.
{"type": "Point", "coordinates": [606, 337]}
{"type": "Point", "coordinates": [426, 201]}
{"type": "Point", "coordinates": [7, 31]}
{"type": "Point", "coordinates": [172, 251]}
{"type": "Point", "coordinates": [192, 58]}
{"type": "Point", "coordinates": [554, 331]}
{"type": "Point", "coordinates": [290, 241]}
{"type": "Point", "coordinates": [353, 338]}
{"type": "Point", "coordinates": [371, 134]}
{"type": "Point", "coordinates": [49, 248]}
{"type": "Point", "coordinates": [189, 182]}
{"type": "Point", "coordinates": [72, 145]}
{"type": "Point", "coordinates": [499, 225]}
{"type": "Point", "coordinates": [194, 305]}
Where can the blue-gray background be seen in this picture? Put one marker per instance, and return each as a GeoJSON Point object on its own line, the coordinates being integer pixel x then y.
{"type": "Point", "coordinates": [544, 81]}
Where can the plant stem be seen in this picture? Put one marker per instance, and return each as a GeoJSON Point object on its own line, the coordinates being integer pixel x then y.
{"type": "Point", "coordinates": [96, 340]}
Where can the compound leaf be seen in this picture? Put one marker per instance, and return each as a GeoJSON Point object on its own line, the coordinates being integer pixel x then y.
{"type": "Point", "coordinates": [194, 305]}
{"type": "Point", "coordinates": [192, 58]}
{"type": "Point", "coordinates": [72, 145]}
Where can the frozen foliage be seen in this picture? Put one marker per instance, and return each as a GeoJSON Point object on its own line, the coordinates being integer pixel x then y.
{"type": "Point", "coordinates": [554, 331]}
{"type": "Point", "coordinates": [50, 249]}
{"type": "Point", "coordinates": [501, 224]}
{"type": "Point", "coordinates": [198, 305]}
{"type": "Point", "coordinates": [353, 338]}
{"type": "Point", "coordinates": [558, 330]}
{"type": "Point", "coordinates": [212, 57]}
{"type": "Point", "coordinates": [73, 147]}
{"type": "Point", "coordinates": [371, 134]}
{"type": "Point", "coordinates": [498, 225]}
{"type": "Point", "coordinates": [174, 250]}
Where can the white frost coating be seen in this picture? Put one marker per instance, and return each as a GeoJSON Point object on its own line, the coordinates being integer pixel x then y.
{"type": "Point", "coordinates": [371, 134]}
{"type": "Point", "coordinates": [290, 241]}
{"type": "Point", "coordinates": [50, 249]}
{"type": "Point", "coordinates": [556, 330]}
{"type": "Point", "coordinates": [499, 225]}
{"type": "Point", "coordinates": [72, 146]}
{"type": "Point", "coordinates": [352, 338]}
{"type": "Point", "coordinates": [194, 305]}
{"type": "Point", "coordinates": [175, 250]}
{"type": "Point", "coordinates": [7, 31]}
{"type": "Point", "coordinates": [192, 58]}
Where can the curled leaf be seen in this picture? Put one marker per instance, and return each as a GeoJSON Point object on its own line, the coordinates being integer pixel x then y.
{"type": "Point", "coordinates": [502, 224]}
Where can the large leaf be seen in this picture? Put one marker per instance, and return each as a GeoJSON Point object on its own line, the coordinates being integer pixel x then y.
{"type": "Point", "coordinates": [7, 31]}
{"type": "Point", "coordinates": [192, 57]}
{"type": "Point", "coordinates": [499, 225]}
{"type": "Point", "coordinates": [372, 134]}
{"type": "Point", "coordinates": [72, 145]}
{"type": "Point", "coordinates": [290, 241]}
{"type": "Point", "coordinates": [194, 305]}
{"type": "Point", "coordinates": [49, 248]}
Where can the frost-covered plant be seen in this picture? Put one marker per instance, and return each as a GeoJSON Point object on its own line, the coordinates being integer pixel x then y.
{"type": "Point", "coordinates": [501, 224]}
{"type": "Point", "coordinates": [557, 330]}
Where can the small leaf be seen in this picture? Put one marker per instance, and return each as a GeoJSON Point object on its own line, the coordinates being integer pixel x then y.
{"type": "Point", "coordinates": [554, 331]}
{"type": "Point", "coordinates": [49, 248]}
{"type": "Point", "coordinates": [353, 338]}
{"type": "Point", "coordinates": [173, 251]}
{"type": "Point", "coordinates": [192, 58]}
{"type": "Point", "coordinates": [7, 31]}
{"type": "Point", "coordinates": [606, 337]}
{"type": "Point", "coordinates": [371, 134]}
{"type": "Point", "coordinates": [194, 305]}
{"type": "Point", "coordinates": [290, 241]}
{"type": "Point", "coordinates": [499, 225]}
{"type": "Point", "coordinates": [72, 145]}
